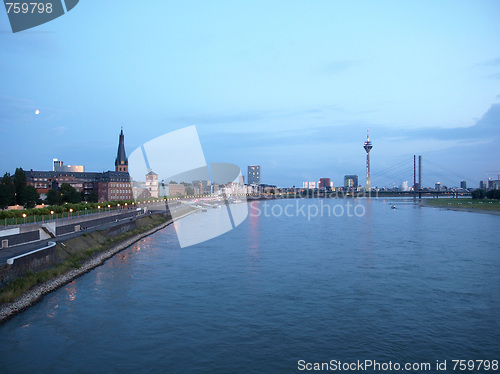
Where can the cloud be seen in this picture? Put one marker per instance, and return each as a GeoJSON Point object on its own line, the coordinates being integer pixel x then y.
{"type": "Point", "coordinates": [15, 109]}
{"type": "Point", "coordinates": [337, 66]}
{"type": "Point", "coordinates": [56, 131]}
{"type": "Point", "coordinates": [492, 62]}
{"type": "Point", "coordinates": [493, 76]}
{"type": "Point", "coordinates": [20, 111]}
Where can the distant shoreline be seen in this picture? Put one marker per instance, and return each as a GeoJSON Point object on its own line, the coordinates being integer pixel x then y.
{"type": "Point", "coordinates": [457, 208]}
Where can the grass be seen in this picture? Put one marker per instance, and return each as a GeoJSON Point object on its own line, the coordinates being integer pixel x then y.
{"type": "Point", "coordinates": [483, 204]}
{"type": "Point", "coordinates": [76, 251]}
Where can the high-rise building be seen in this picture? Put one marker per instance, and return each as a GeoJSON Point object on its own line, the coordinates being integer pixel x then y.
{"type": "Point", "coordinates": [324, 182]}
{"type": "Point", "coordinates": [254, 174]}
{"type": "Point", "coordinates": [483, 185]}
{"type": "Point", "coordinates": [463, 184]}
{"type": "Point", "coordinates": [368, 146]}
{"type": "Point", "coordinates": [351, 181]}
{"type": "Point", "coordinates": [309, 185]}
{"type": "Point", "coordinates": [58, 165]}
{"type": "Point", "coordinates": [121, 162]}
{"type": "Point", "coordinates": [404, 186]}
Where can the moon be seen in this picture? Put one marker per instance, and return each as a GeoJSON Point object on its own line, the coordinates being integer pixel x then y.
{"type": "Point", "coordinates": [37, 111]}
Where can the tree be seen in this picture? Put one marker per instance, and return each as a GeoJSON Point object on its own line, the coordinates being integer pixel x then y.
{"type": "Point", "coordinates": [20, 185]}
{"type": "Point", "coordinates": [493, 194]}
{"type": "Point", "coordinates": [478, 194]}
{"type": "Point", "coordinates": [7, 192]}
{"type": "Point", "coordinates": [70, 194]}
{"type": "Point", "coordinates": [93, 197]}
{"type": "Point", "coordinates": [31, 197]}
{"type": "Point", "coordinates": [53, 197]}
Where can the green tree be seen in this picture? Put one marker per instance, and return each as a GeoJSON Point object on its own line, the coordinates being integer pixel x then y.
{"type": "Point", "coordinates": [20, 185]}
{"type": "Point", "coordinates": [493, 194]}
{"type": "Point", "coordinates": [7, 191]}
{"type": "Point", "coordinates": [70, 194]}
{"type": "Point", "coordinates": [53, 197]}
{"type": "Point", "coordinates": [31, 197]}
{"type": "Point", "coordinates": [478, 194]}
{"type": "Point", "coordinates": [93, 197]}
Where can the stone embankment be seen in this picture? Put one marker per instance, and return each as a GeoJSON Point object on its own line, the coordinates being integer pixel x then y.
{"type": "Point", "coordinates": [36, 293]}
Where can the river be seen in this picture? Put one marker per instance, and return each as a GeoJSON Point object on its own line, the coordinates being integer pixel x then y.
{"type": "Point", "coordinates": [279, 292]}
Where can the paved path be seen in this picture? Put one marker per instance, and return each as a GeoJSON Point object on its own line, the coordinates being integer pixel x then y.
{"type": "Point", "coordinates": [7, 253]}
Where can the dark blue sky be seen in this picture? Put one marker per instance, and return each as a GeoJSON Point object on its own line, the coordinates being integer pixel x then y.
{"type": "Point", "coordinates": [289, 85]}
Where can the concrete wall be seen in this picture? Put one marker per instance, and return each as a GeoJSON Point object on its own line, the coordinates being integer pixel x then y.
{"type": "Point", "coordinates": [42, 260]}
{"type": "Point", "coordinates": [66, 229]}
{"type": "Point", "coordinates": [22, 238]}
{"type": "Point", "coordinates": [32, 232]}
{"type": "Point", "coordinates": [35, 262]}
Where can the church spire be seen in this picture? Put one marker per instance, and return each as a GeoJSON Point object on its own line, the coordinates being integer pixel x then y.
{"type": "Point", "coordinates": [121, 162]}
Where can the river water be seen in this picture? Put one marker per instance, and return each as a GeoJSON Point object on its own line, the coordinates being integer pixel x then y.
{"type": "Point", "coordinates": [407, 285]}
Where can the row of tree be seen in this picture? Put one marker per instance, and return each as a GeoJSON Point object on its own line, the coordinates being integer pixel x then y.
{"type": "Point", "coordinates": [15, 191]}
{"type": "Point", "coordinates": [68, 194]}
{"type": "Point", "coordinates": [481, 194]}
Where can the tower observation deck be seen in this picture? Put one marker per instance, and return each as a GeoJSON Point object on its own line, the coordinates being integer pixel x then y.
{"type": "Point", "coordinates": [368, 146]}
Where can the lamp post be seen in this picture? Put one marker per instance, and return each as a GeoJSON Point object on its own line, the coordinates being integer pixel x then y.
{"type": "Point", "coordinates": [70, 211]}
{"type": "Point", "coordinates": [24, 216]}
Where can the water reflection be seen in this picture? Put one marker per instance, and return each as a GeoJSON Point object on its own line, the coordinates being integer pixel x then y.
{"type": "Point", "coordinates": [71, 290]}
{"type": "Point", "coordinates": [367, 240]}
{"type": "Point", "coordinates": [254, 241]}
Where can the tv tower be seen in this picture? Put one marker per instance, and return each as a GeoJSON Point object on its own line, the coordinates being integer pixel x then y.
{"type": "Point", "coordinates": [368, 146]}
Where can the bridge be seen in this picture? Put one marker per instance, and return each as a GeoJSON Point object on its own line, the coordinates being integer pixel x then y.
{"type": "Point", "coordinates": [410, 169]}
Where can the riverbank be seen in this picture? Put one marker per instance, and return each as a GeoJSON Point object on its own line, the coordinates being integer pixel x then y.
{"type": "Point", "coordinates": [465, 205]}
{"type": "Point", "coordinates": [80, 255]}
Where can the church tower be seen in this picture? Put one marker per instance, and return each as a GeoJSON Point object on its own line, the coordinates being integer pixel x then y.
{"type": "Point", "coordinates": [121, 162]}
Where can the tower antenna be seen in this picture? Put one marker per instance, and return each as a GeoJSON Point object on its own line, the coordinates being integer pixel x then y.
{"type": "Point", "coordinates": [368, 146]}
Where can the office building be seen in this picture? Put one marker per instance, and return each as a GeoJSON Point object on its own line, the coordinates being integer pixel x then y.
{"type": "Point", "coordinates": [351, 181]}
{"type": "Point", "coordinates": [324, 183]}
{"type": "Point", "coordinates": [58, 165]}
{"type": "Point", "coordinates": [254, 174]}
{"type": "Point", "coordinates": [109, 185]}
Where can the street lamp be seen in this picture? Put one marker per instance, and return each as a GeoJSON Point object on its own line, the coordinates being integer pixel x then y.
{"type": "Point", "coordinates": [71, 211]}
{"type": "Point", "coordinates": [51, 214]}
{"type": "Point", "coordinates": [24, 216]}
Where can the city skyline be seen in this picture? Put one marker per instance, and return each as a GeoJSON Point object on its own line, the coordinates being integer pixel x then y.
{"type": "Point", "coordinates": [296, 100]}
{"type": "Point", "coordinates": [121, 164]}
